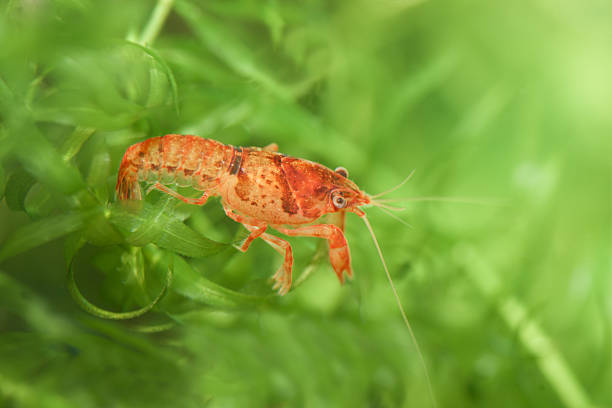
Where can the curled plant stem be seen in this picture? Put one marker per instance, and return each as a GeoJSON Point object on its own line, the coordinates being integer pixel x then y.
{"type": "Point", "coordinates": [105, 314]}
{"type": "Point", "coordinates": [156, 22]}
{"type": "Point", "coordinates": [156, 328]}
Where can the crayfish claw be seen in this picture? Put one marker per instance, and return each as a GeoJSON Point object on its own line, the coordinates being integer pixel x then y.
{"type": "Point", "coordinates": [340, 260]}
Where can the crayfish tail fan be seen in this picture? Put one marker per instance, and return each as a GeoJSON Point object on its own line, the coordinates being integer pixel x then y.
{"type": "Point", "coordinates": [127, 187]}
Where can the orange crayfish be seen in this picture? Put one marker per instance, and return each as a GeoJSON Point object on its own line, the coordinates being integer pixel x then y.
{"type": "Point", "coordinates": [259, 187]}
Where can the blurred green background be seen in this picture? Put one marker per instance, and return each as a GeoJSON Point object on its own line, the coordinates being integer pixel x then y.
{"type": "Point", "coordinates": [508, 103]}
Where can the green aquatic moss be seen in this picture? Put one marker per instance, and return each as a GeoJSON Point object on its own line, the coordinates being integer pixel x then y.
{"type": "Point", "coordinates": [504, 108]}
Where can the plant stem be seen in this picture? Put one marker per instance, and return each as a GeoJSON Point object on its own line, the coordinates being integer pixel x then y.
{"type": "Point", "coordinates": [154, 26]}
{"type": "Point", "coordinates": [531, 335]}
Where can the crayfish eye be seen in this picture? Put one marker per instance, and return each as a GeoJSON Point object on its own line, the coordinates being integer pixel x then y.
{"type": "Point", "coordinates": [339, 201]}
{"type": "Point", "coordinates": [342, 171]}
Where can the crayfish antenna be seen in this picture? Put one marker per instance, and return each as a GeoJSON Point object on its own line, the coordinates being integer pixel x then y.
{"type": "Point", "coordinates": [462, 200]}
{"type": "Point", "coordinates": [402, 311]}
{"type": "Point", "coordinates": [392, 189]}
{"type": "Point", "coordinates": [395, 217]}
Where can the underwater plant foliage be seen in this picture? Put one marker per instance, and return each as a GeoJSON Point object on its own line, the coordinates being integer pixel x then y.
{"type": "Point", "coordinates": [502, 110]}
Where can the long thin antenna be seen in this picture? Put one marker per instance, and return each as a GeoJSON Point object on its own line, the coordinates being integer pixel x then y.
{"type": "Point", "coordinates": [390, 214]}
{"type": "Point", "coordinates": [392, 189]}
{"type": "Point", "coordinates": [402, 312]}
{"type": "Point", "coordinates": [387, 206]}
{"type": "Point", "coordinates": [464, 200]}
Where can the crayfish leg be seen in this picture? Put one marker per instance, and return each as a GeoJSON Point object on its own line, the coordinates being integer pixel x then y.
{"type": "Point", "coordinates": [196, 201]}
{"type": "Point", "coordinates": [255, 227]}
{"type": "Point", "coordinates": [282, 277]}
{"type": "Point", "coordinates": [339, 254]}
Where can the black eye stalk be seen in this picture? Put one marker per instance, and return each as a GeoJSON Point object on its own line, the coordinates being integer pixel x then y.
{"type": "Point", "coordinates": [342, 171]}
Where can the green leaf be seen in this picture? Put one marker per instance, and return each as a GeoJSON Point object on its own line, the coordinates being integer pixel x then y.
{"type": "Point", "coordinates": [37, 155]}
{"type": "Point", "coordinates": [19, 298]}
{"type": "Point", "coordinates": [75, 141]}
{"type": "Point", "coordinates": [225, 45]}
{"type": "Point", "coordinates": [99, 231]}
{"type": "Point", "coordinates": [17, 188]}
{"type": "Point", "coordinates": [279, 118]}
{"type": "Point", "coordinates": [44, 162]}
{"type": "Point", "coordinates": [190, 284]}
{"type": "Point", "coordinates": [2, 182]}
{"type": "Point", "coordinates": [140, 222]}
{"type": "Point", "coordinates": [179, 238]}
{"type": "Point", "coordinates": [89, 116]}
{"type": "Point", "coordinates": [40, 232]}
{"type": "Point", "coordinates": [155, 224]}
{"type": "Point", "coordinates": [166, 69]}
